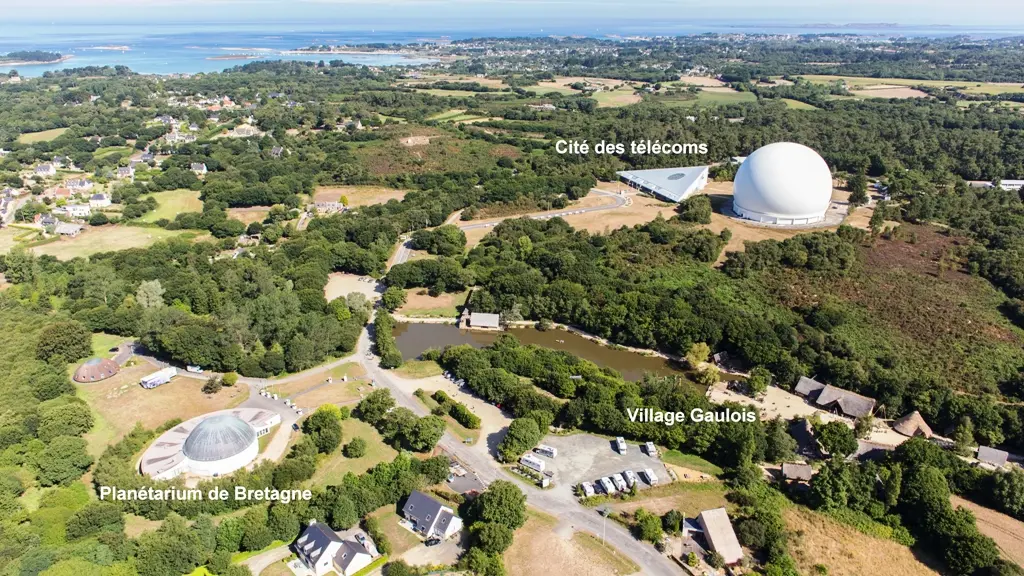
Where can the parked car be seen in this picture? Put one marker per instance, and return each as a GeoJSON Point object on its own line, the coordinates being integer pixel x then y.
{"type": "Point", "coordinates": [433, 541]}
{"type": "Point", "coordinates": [194, 369]}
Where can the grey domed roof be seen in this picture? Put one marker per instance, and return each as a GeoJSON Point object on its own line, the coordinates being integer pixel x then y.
{"type": "Point", "coordinates": [218, 437]}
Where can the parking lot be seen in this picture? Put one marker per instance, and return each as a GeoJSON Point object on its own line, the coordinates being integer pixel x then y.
{"type": "Point", "coordinates": [587, 458]}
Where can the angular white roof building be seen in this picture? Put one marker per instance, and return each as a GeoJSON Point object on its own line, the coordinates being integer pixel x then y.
{"type": "Point", "coordinates": [209, 445]}
{"type": "Point", "coordinates": [672, 184]}
{"type": "Point", "coordinates": [786, 184]}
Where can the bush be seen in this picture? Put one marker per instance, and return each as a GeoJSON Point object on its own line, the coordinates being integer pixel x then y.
{"type": "Point", "coordinates": [355, 449]}
{"type": "Point", "coordinates": [229, 379]}
{"type": "Point", "coordinates": [372, 528]}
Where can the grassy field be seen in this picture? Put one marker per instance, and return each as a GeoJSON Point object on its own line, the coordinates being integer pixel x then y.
{"type": "Point", "coordinates": [690, 461]}
{"type": "Point", "coordinates": [419, 304]}
{"type": "Point", "coordinates": [966, 87]}
{"type": "Point", "coordinates": [690, 498]}
{"type": "Point", "coordinates": [332, 469]}
{"type": "Point", "coordinates": [1008, 532]}
{"type": "Point", "coordinates": [119, 402]}
{"type": "Point", "coordinates": [612, 98]}
{"type": "Point", "coordinates": [107, 151]}
{"type": "Point", "coordinates": [44, 136]}
{"type": "Point", "coordinates": [564, 551]}
{"type": "Point", "coordinates": [440, 92]}
{"type": "Point", "coordinates": [798, 105]}
{"type": "Point", "coordinates": [416, 369]}
{"type": "Point", "coordinates": [102, 343]}
{"type": "Point", "coordinates": [137, 525]}
{"type": "Point", "coordinates": [105, 239]}
{"type": "Point", "coordinates": [433, 151]}
{"type": "Point", "coordinates": [708, 98]}
{"type": "Point", "coordinates": [277, 569]}
{"type": "Point", "coordinates": [401, 539]}
{"type": "Point", "coordinates": [357, 195]}
{"type": "Point", "coordinates": [172, 203]}
{"type": "Point", "coordinates": [843, 551]}
{"type": "Point", "coordinates": [311, 391]}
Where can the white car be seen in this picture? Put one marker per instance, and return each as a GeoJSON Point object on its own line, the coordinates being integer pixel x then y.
{"type": "Point", "coordinates": [630, 477]}
{"type": "Point", "coordinates": [620, 482]}
{"type": "Point", "coordinates": [194, 369]}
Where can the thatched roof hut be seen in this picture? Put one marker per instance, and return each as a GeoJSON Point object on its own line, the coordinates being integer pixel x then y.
{"type": "Point", "coordinates": [913, 424]}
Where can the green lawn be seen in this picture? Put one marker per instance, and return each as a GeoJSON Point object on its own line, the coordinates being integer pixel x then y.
{"type": "Point", "coordinates": [44, 136]}
{"type": "Point", "coordinates": [104, 152]}
{"type": "Point", "coordinates": [704, 97]}
{"type": "Point", "coordinates": [548, 89]}
{"type": "Point", "coordinates": [108, 238]}
{"type": "Point", "coordinates": [172, 203]}
{"type": "Point", "coordinates": [102, 343]}
{"type": "Point", "coordinates": [415, 369]}
{"type": "Point", "coordinates": [690, 461]}
{"type": "Point", "coordinates": [332, 469]}
{"type": "Point", "coordinates": [401, 539]}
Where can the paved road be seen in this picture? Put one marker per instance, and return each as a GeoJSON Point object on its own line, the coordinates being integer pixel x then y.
{"type": "Point", "coordinates": [560, 504]}
{"type": "Point", "coordinates": [261, 561]}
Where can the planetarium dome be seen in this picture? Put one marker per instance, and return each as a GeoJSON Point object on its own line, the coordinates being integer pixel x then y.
{"type": "Point", "coordinates": [218, 438]}
{"type": "Point", "coordinates": [784, 184]}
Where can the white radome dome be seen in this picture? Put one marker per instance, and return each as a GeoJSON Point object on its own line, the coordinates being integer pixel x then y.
{"type": "Point", "coordinates": [783, 183]}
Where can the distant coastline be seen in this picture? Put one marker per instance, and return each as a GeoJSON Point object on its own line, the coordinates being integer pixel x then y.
{"type": "Point", "coordinates": [34, 62]}
{"type": "Point", "coordinates": [237, 57]}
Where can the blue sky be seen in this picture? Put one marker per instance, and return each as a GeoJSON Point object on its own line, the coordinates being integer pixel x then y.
{"type": "Point", "coordinates": [534, 12]}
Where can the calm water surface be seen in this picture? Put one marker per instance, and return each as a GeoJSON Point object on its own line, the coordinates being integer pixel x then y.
{"type": "Point", "coordinates": [413, 339]}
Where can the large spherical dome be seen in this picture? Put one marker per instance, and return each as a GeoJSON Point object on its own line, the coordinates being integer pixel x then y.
{"type": "Point", "coordinates": [219, 437]}
{"type": "Point", "coordinates": [783, 183]}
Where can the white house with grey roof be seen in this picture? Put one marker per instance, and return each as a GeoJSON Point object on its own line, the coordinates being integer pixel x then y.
{"type": "Point", "coordinates": [483, 320]}
{"type": "Point", "coordinates": [322, 550]}
{"type": "Point", "coordinates": [429, 517]}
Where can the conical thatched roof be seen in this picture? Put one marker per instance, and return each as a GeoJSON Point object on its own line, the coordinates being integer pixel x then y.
{"type": "Point", "coordinates": [913, 424]}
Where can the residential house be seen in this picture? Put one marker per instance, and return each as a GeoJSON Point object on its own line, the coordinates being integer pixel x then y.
{"type": "Point", "coordinates": [327, 207]}
{"type": "Point", "coordinates": [45, 220]}
{"type": "Point", "coordinates": [46, 170]}
{"type": "Point", "coordinates": [147, 157]}
{"type": "Point", "coordinates": [59, 161]}
{"type": "Point", "coordinates": [322, 550]}
{"type": "Point", "coordinates": [57, 193]}
{"type": "Point", "coordinates": [78, 185]}
{"type": "Point", "coordinates": [429, 517]}
{"type": "Point", "coordinates": [126, 172]}
{"type": "Point", "coordinates": [67, 229]}
{"type": "Point", "coordinates": [245, 131]}
{"type": "Point", "coordinates": [98, 201]}
{"type": "Point", "coordinates": [193, 127]}
{"type": "Point", "coordinates": [78, 210]}
{"type": "Point", "coordinates": [198, 168]}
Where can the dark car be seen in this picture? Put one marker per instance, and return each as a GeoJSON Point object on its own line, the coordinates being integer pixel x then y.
{"type": "Point", "coordinates": [433, 541]}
